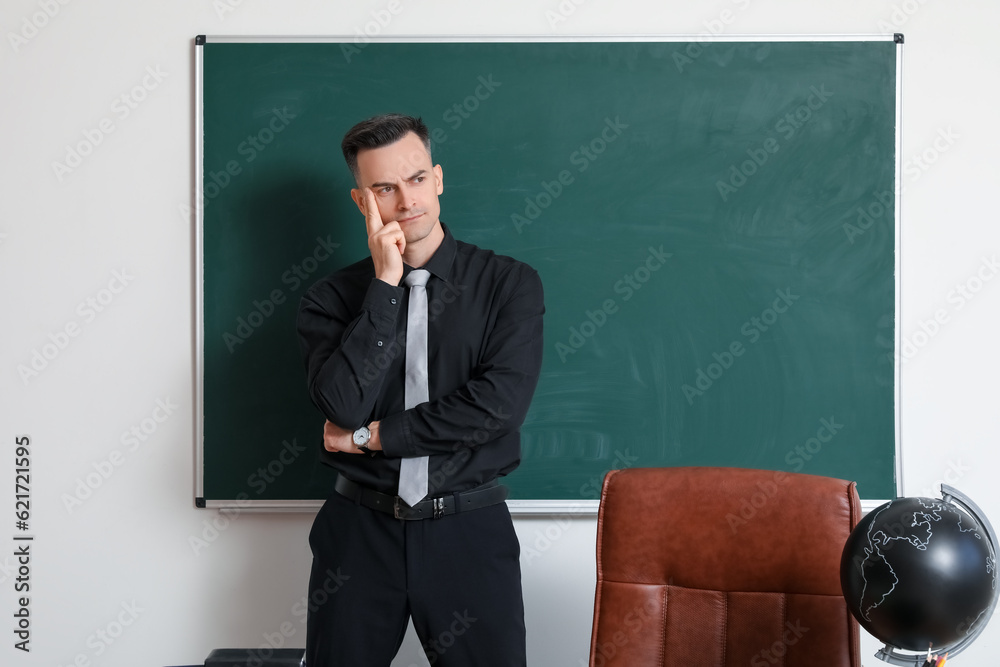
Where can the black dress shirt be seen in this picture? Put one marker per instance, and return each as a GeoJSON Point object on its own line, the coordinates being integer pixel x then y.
{"type": "Point", "coordinates": [484, 353]}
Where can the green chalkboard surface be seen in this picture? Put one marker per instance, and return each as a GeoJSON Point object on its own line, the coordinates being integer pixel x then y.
{"type": "Point", "coordinates": [714, 225]}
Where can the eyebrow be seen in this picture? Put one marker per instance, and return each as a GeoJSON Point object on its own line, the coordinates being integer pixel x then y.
{"type": "Point", "coordinates": [410, 178]}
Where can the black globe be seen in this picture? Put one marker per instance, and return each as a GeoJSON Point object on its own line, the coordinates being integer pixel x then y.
{"type": "Point", "coordinates": [919, 571]}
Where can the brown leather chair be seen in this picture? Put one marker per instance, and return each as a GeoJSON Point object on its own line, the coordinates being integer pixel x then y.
{"type": "Point", "coordinates": [719, 567]}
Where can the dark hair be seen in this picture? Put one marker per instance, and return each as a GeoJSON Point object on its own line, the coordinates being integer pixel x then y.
{"type": "Point", "coordinates": [381, 131]}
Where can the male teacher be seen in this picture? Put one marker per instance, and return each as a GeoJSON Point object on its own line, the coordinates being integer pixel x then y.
{"type": "Point", "coordinates": [423, 357]}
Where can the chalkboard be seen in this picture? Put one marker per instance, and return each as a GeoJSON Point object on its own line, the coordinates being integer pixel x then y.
{"type": "Point", "coordinates": [715, 226]}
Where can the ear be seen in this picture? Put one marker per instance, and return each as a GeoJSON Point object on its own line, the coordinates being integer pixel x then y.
{"type": "Point", "coordinates": [439, 178]}
{"type": "Point", "coordinates": [358, 195]}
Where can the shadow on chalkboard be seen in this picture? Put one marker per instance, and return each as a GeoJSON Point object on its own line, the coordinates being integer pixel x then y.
{"type": "Point", "coordinates": [313, 222]}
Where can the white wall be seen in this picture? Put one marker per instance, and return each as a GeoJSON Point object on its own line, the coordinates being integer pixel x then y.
{"type": "Point", "coordinates": [62, 240]}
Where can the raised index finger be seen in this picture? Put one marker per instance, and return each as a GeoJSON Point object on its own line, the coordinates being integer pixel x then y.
{"type": "Point", "coordinates": [373, 219]}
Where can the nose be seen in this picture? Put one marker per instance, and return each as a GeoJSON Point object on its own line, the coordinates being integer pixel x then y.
{"type": "Point", "coordinates": [404, 198]}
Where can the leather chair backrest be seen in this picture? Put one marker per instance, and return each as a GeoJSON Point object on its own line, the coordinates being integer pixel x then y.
{"type": "Point", "coordinates": [723, 567]}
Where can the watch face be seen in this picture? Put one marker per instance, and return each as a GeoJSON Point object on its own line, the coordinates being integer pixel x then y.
{"type": "Point", "coordinates": [361, 436]}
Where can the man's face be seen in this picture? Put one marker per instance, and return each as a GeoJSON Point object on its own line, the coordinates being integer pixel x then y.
{"type": "Point", "coordinates": [405, 183]}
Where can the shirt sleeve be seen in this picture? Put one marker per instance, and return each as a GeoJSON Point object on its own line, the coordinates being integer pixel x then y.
{"type": "Point", "coordinates": [336, 344]}
{"type": "Point", "coordinates": [495, 400]}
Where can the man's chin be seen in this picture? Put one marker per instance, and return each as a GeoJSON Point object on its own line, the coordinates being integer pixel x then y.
{"type": "Point", "coordinates": [418, 229]}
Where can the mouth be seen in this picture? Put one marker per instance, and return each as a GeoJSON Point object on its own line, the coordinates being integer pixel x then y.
{"type": "Point", "coordinates": [410, 219]}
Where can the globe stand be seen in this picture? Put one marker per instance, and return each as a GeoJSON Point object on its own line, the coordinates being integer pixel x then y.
{"type": "Point", "coordinates": [891, 654]}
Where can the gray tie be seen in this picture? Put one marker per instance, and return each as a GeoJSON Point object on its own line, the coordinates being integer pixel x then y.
{"type": "Point", "coordinates": [413, 470]}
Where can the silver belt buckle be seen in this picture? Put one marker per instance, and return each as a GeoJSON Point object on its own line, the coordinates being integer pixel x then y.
{"type": "Point", "coordinates": [395, 507]}
{"type": "Point", "coordinates": [438, 508]}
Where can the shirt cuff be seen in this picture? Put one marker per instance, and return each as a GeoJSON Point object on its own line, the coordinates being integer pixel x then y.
{"type": "Point", "coordinates": [382, 302]}
{"type": "Point", "coordinates": [395, 437]}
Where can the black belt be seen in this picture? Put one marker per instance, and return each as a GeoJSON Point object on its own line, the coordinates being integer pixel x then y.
{"type": "Point", "coordinates": [490, 493]}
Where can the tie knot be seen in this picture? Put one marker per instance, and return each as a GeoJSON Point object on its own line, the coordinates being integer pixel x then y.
{"type": "Point", "coordinates": [417, 277]}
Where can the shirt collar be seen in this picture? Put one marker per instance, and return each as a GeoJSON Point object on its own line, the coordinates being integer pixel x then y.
{"type": "Point", "coordinates": [441, 262]}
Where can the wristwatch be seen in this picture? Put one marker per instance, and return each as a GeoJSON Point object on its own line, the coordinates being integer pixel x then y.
{"type": "Point", "coordinates": [361, 438]}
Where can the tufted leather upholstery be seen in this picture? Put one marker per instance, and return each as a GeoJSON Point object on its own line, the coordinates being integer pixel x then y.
{"type": "Point", "coordinates": [723, 567]}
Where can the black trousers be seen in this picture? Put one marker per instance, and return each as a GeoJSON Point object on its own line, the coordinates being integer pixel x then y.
{"type": "Point", "coordinates": [459, 578]}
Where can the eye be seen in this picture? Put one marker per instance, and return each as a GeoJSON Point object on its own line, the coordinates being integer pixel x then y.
{"type": "Point", "coordinates": [419, 179]}
{"type": "Point", "coordinates": [385, 189]}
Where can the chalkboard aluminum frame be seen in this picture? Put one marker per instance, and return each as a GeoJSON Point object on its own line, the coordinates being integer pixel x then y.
{"type": "Point", "coordinates": [562, 508]}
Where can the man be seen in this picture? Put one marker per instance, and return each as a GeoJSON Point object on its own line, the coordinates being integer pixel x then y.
{"type": "Point", "coordinates": [450, 559]}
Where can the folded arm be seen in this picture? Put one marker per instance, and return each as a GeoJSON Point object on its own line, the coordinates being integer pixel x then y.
{"type": "Point", "coordinates": [495, 400]}
{"type": "Point", "coordinates": [342, 355]}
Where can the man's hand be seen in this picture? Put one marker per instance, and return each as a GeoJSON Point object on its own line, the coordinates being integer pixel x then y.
{"type": "Point", "coordinates": [386, 242]}
{"type": "Point", "coordinates": [336, 439]}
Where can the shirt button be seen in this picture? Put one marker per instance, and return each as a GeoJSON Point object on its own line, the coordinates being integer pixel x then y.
{"type": "Point", "coordinates": [392, 301]}
{"type": "Point", "coordinates": [380, 343]}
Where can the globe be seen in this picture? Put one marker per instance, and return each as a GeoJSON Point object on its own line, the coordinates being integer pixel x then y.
{"type": "Point", "coordinates": [921, 572]}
